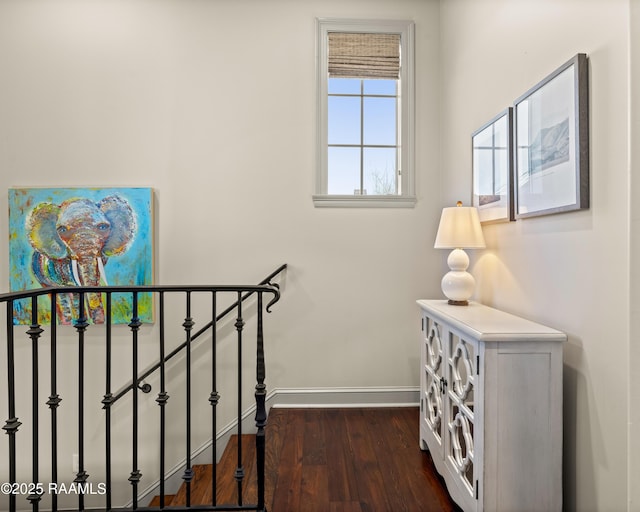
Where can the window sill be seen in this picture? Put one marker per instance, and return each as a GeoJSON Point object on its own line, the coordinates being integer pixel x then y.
{"type": "Point", "coordinates": [347, 201]}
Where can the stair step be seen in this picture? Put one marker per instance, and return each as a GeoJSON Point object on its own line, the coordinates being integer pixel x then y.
{"type": "Point", "coordinates": [227, 487]}
{"type": "Point", "coordinates": [227, 490]}
{"type": "Point", "coordinates": [168, 500]}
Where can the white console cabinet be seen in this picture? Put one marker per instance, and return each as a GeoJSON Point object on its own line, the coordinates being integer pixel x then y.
{"type": "Point", "coordinates": [491, 407]}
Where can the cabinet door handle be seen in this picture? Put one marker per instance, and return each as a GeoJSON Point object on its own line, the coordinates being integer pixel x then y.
{"type": "Point", "coordinates": [443, 386]}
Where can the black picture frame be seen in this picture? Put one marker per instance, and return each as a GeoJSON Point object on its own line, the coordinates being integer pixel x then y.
{"type": "Point", "coordinates": [492, 168]}
{"type": "Point", "coordinates": [551, 141]}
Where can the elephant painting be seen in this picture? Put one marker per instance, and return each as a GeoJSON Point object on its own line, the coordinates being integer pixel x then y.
{"type": "Point", "coordinates": [73, 241]}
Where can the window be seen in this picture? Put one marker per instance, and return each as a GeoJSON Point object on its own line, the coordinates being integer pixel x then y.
{"type": "Point", "coordinates": [365, 113]}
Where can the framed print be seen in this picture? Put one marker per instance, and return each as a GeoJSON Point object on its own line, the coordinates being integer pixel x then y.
{"type": "Point", "coordinates": [81, 237]}
{"type": "Point", "coordinates": [552, 143]}
{"type": "Point", "coordinates": [492, 157]}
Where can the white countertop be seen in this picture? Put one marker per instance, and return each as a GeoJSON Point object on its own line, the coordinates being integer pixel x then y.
{"type": "Point", "coordinates": [488, 324]}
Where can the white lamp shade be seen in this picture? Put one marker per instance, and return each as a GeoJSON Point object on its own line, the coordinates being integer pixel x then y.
{"type": "Point", "coordinates": [459, 228]}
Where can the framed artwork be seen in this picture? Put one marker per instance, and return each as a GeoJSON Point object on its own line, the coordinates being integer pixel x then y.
{"type": "Point", "coordinates": [81, 237]}
{"type": "Point", "coordinates": [492, 156]}
{"type": "Point", "coordinates": [552, 143]}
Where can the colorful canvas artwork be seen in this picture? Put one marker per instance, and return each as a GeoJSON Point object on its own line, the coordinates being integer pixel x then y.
{"type": "Point", "coordinates": [81, 237]}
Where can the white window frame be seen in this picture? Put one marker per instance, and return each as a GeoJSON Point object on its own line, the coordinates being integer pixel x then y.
{"type": "Point", "coordinates": [406, 117]}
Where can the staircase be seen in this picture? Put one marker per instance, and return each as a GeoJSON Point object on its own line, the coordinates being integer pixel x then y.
{"type": "Point", "coordinates": [38, 355]}
{"type": "Point", "coordinates": [227, 487]}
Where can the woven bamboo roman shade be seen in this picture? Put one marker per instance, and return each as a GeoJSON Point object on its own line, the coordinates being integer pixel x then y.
{"type": "Point", "coordinates": [364, 55]}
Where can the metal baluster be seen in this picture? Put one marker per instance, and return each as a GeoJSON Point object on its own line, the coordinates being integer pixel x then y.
{"type": "Point", "coordinates": [188, 472]}
{"type": "Point", "coordinates": [136, 475]}
{"type": "Point", "coordinates": [54, 401]}
{"type": "Point", "coordinates": [214, 398]}
{"type": "Point", "coordinates": [107, 401]}
{"type": "Point", "coordinates": [81, 326]}
{"type": "Point", "coordinates": [267, 281]}
{"type": "Point", "coordinates": [162, 402]}
{"type": "Point", "coordinates": [34, 333]}
{"type": "Point", "coordinates": [261, 412]}
{"type": "Point", "coordinates": [12, 424]}
{"type": "Point", "coordinates": [239, 474]}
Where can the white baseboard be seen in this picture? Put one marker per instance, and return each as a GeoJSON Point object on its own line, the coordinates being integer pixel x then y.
{"type": "Point", "coordinates": [289, 398]}
{"type": "Point", "coordinates": [344, 397]}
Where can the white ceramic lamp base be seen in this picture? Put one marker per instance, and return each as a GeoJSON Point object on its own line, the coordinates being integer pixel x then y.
{"type": "Point", "coordinates": [457, 284]}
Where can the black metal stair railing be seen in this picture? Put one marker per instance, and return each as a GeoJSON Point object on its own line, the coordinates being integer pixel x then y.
{"type": "Point", "coordinates": [145, 388]}
{"type": "Point", "coordinates": [38, 336]}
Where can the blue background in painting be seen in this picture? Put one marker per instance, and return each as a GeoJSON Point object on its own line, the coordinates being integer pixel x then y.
{"type": "Point", "coordinates": [135, 266]}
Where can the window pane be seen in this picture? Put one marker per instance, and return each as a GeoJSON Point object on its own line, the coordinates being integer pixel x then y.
{"type": "Point", "coordinates": [380, 121]}
{"type": "Point", "coordinates": [380, 171]}
{"type": "Point", "coordinates": [343, 171]}
{"type": "Point", "coordinates": [344, 86]}
{"type": "Point", "coordinates": [386, 87]}
{"type": "Point", "coordinates": [344, 120]}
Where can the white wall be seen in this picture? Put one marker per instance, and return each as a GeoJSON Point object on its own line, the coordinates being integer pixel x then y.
{"type": "Point", "coordinates": [212, 104]}
{"type": "Point", "coordinates": [634, 348]}
{"type": "Point", "coordinates": [569, 271]}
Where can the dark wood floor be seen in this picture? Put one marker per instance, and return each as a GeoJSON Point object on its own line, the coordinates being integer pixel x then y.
{"type": "Point", "coordinates": [351, 460]}
{"type": "Point", "coordinates": [333, 460]}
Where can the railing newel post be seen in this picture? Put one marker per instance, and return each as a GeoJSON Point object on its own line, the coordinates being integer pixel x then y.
{"type": "Point", "coordinates": [261, 411]}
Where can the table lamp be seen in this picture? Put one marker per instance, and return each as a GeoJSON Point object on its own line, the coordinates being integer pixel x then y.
{"type": "Point", "coordinates": [459, 229]}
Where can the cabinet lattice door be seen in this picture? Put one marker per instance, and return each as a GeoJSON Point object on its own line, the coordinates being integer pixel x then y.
{"type": "Point", "coordinates": [433, 369]}
{"type": "Point", "coordinates": [459, 444]}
